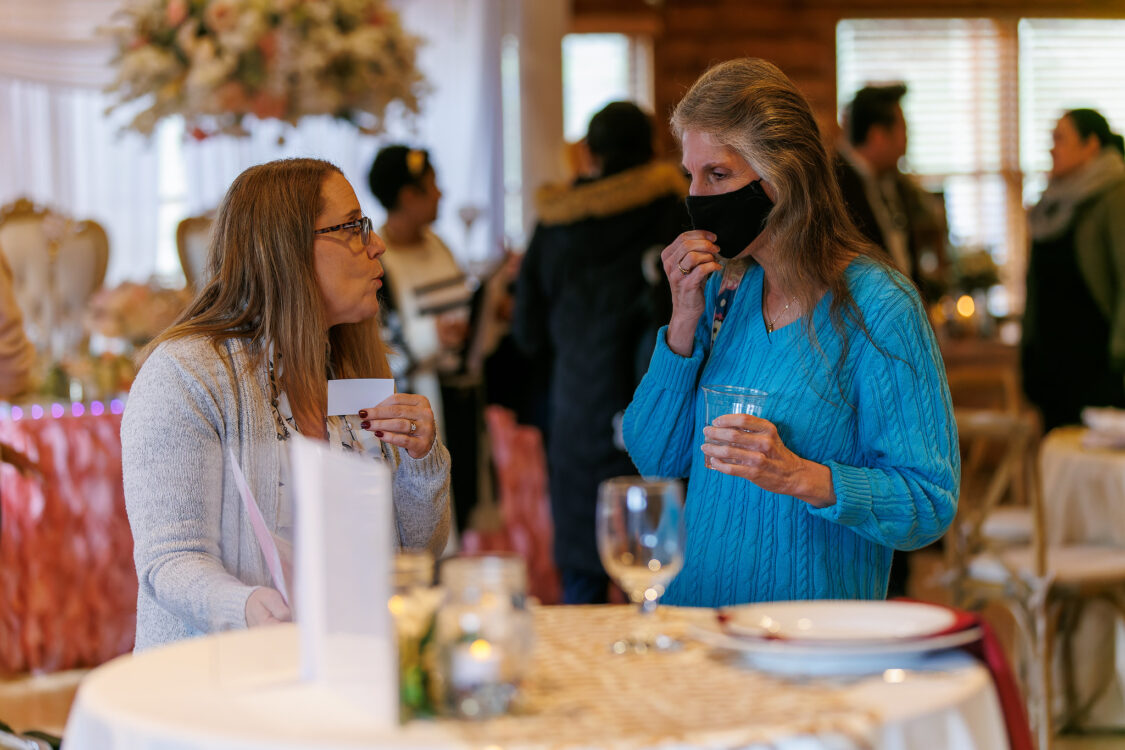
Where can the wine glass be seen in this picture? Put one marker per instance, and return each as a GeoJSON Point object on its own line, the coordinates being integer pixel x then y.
{"type": "Point", "coordinates": [640, 529]}
{"type": "Point", "coordinates": [468, 214]}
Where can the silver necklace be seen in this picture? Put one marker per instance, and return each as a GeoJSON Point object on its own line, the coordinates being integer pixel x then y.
{"type": "Point", "coordinates": [770, 321]}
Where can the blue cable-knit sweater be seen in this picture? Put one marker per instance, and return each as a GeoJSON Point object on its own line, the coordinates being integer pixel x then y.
{"type": "Point", "coordinates": [891, 446]}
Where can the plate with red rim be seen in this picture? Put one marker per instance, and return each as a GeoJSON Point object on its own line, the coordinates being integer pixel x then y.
{"type": "Point", "coordinates": [835, 637]}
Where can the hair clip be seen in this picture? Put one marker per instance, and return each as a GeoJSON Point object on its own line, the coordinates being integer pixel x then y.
{"type": "Point", "coordinates": [416, 162]}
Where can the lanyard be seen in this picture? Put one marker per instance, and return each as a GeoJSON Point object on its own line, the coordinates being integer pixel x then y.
{"type": "Point", "coordinates": [732, 277]}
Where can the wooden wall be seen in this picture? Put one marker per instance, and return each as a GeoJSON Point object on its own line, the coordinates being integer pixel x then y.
{"type": "Point", "coordinates": [798, 35]}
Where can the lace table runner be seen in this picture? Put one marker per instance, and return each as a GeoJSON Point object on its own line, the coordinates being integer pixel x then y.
{"type": "Point", "coordinates": [578, 694]}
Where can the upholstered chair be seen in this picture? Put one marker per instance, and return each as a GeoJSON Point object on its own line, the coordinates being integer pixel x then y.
{"type": "Point", "coordinates": [57, 264]}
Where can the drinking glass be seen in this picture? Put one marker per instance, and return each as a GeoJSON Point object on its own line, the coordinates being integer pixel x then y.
{"type": "Point", "coordinates": [719, 400]}
{"type": "Point", "coordinates": [640, 530]}
{"type": "Point", "coordinates": [413, 601]}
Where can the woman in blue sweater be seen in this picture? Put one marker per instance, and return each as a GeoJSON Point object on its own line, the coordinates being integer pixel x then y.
{"type": "Point", "coordinates": [856, 453]}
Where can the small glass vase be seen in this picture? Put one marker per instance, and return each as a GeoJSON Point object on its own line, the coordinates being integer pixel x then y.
{"type": "Point", "coordinates": [483, 635]}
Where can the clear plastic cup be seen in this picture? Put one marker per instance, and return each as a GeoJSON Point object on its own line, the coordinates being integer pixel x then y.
{"type": "Point", "coordinates": [733, 399]}
{"type": "Point", "coordinates": [720, 400]}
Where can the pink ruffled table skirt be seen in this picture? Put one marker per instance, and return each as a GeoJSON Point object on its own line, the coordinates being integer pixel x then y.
{"type": "Point", "coordinates": [68, 588]}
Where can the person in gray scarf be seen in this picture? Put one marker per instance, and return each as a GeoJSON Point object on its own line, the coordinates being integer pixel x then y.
{"type": "Point", "coordinates": [1073, 348]}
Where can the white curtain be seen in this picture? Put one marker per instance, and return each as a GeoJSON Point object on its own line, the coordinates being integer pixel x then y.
{"type": "Point", "coordinates": [458, 125]}
{"type": "Point", "coordinates": [59, 148]}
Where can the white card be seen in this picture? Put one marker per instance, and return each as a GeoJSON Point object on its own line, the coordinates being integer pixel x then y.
{"type": "Point", "coordinates": [344, 555]}
{"type": "Point", "coordinates": [349, 395]}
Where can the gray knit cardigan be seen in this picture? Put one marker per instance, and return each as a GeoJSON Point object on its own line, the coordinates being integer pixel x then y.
{"type": "Point", "coordinates": [196, 556]}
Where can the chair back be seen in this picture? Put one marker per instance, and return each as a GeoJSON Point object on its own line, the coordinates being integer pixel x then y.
{"type": "Point", "coordinates": [525, 511]}
{"type": "Point", "coordinates": [57, 264]}
{"type": "Point", "coordinates": [984, 386]}
{"type": "Point", "coordinates": [193, 239]}
{"type": "Point", "coordinates": [994, 450]}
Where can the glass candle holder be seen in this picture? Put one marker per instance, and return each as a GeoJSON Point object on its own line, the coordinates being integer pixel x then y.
{"type": "Point", "coordinates": [483, 634]}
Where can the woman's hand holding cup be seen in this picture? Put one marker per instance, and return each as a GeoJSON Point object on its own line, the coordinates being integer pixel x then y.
{"type": "Point", "coordinates": [742, 443]}
{"type": "Point", "coordinates": [746, 446]}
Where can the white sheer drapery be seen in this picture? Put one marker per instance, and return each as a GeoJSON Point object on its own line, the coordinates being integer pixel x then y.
{"type": "Point", "coordinates": [60, 151]}
{"type": "Point", "coordinates": [458, 125]}
{"type": "Point", "coordinates": [59, 148]}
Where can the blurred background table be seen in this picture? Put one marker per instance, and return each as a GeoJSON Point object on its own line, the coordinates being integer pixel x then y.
{"type": "Point", "coordinates": [1083, 490]}
{"type": "Point", "coordinates": [1084, 503]}
{"type": "Point", "coordinates": [240, 690]}
{"type": "Point", "coordinates": [67, 583]}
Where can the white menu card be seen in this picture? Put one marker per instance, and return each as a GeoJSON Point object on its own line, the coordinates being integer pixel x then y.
{"type": "Point", "coordinates": [345, 546]}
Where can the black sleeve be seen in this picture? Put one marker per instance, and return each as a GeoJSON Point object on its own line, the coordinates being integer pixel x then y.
{"type": "Point", "coordinates": [529, 320]}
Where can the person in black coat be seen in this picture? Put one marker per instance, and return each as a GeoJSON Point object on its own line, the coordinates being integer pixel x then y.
{"type": "Point", "coordinates": [583, 300]}
{"type": "Point", "coordinates": [887, 206]}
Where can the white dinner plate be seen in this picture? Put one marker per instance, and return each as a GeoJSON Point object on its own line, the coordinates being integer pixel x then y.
{"type": "Point", "coordinates": [1104, 419]}
{"type": "Point", "coordinates": [833, 637]}
{"type": "Point", "coordinates": [844, 622]}
{"type": "Point", "coordinates": [789, 658]}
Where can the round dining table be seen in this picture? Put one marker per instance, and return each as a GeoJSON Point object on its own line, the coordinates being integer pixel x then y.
{"type": "Point", "coordinates": [240, 691]}
{"type": "Point", "coordinates": [1083, 490]}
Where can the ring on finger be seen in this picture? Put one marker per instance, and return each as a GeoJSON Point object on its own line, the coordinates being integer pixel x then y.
{"type": "Point", "coordinates": [683, 270]}
{"type": "Point", "coordinates": [413, 427]}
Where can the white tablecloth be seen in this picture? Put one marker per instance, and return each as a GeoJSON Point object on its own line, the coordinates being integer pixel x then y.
{"type": "Point", "coordinates": [239, 691]}
{"type": "Point", "coordinates": [1083, 490]}
{"type": "Point", "coordinates": [1084, 503]}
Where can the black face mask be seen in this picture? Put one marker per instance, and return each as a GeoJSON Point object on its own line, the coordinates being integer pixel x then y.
{"type": "Point", "coordinates": [735, 218]}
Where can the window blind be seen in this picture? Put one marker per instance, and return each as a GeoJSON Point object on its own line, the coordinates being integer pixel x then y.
{"type": "Point", "coordinates": [1066, 64]}
{"type": "Point", "coordinates": [952, 69]}
{"type": "Point", "coordinates": [961, 115]}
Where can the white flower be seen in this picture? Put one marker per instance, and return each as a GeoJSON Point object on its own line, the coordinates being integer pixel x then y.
{"type": "Point", "coordinates": [147, 67]}
{"type": "Point", "coordinates": [187, 36]}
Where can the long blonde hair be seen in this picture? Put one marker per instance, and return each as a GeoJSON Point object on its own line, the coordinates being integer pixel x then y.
{"type": "Point", "coordinates": [262, 285]}
{"type": "Point", "coordinates": [750, 106]}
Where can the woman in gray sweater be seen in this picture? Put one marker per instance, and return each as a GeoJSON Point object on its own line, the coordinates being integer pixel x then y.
{"type": "Point", "coordinates": [291, 301]}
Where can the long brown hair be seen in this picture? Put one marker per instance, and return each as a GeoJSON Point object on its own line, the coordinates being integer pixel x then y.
{"type": "Point", "coordinates": [750, 106]}
{"type": "Point", "coordinates": [262, 285]}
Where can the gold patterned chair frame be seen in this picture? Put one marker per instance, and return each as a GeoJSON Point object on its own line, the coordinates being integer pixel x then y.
{"type": "Point", "coordinates": [193, 236]}
{"type": "Point", "coordinates": [1043, 587]}
{"type": "Point", "coordinates": [57, 264]}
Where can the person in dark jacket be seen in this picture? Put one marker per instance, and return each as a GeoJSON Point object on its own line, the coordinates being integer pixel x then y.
{"type": "Point", "coordinates": [584, 302]}
{"type": "Point", "coordinates": [887, 206]}
{"type": "Point", "coordinates": [1073, 350]}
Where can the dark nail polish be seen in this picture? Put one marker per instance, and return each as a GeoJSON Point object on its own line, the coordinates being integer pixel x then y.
{"type": "Point", "coordinates": [378, 433]}
{"type": "Point", "coordinates": [365, 425]}
{"type": "Point", "coordinates": [363, 413]}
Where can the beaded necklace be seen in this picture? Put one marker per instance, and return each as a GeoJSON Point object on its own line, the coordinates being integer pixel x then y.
{"type": "Point", "coordinates": [283, 423]}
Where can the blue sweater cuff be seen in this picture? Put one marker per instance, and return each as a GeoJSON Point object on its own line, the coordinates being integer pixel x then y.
{"type": "Point", "coordinates": [853, 496]}
{"type": "Point", "coordinates": [673, 372]}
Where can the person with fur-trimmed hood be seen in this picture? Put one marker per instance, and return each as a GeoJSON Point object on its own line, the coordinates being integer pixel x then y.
{"type": "Point", "coordinates": [585, 299]}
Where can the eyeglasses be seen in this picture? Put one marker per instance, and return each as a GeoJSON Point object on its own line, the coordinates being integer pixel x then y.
{"type": "Point", "coordinates": [363, 224]}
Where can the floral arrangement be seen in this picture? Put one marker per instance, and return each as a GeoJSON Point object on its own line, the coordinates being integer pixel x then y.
{"type": "Point", "coordinates": [216, 61]}
{"type": "Point", "coordinates": [134, 312]}
{"type": "Point", "coordinates": [975, 269]}
{"type": "Point", "coordinates": [99, 376]}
